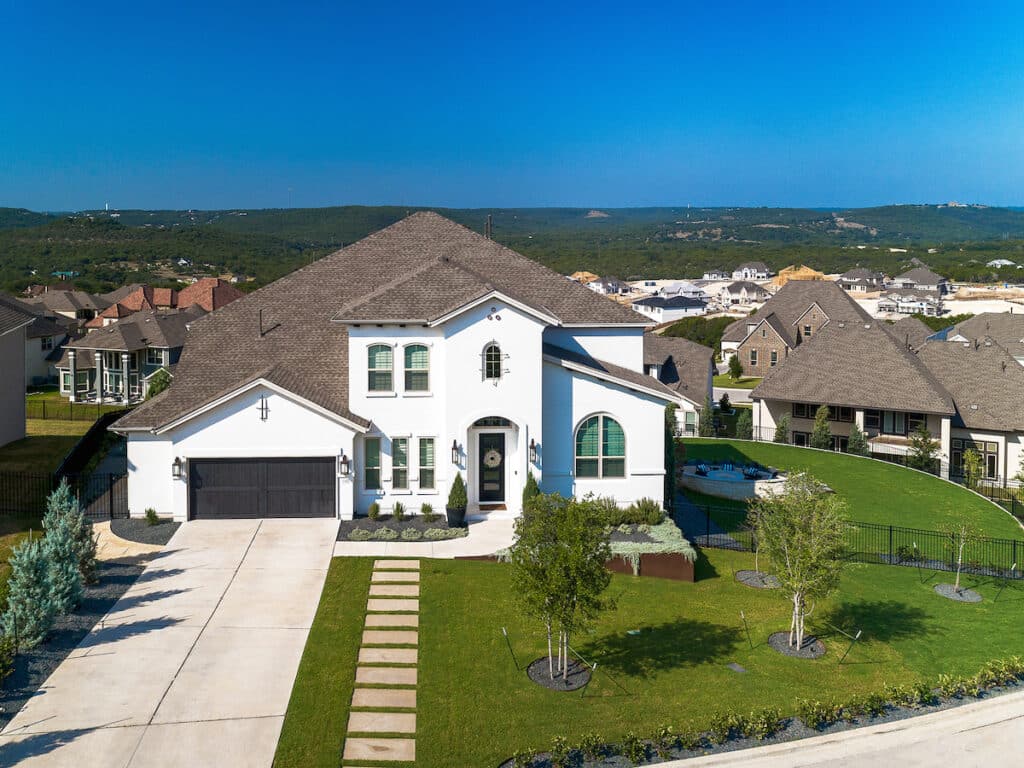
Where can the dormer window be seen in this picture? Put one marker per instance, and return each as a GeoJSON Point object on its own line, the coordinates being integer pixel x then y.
{"type": "Point", "coordinates": [417, 368]}
{"type": "Point", "coordinates": [380, 364]}
{"type": "Point", "coordinates": [492, 362]}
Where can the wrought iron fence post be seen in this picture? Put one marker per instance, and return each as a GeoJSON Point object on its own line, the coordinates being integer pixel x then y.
{"type": "Point", "coordinates": [110, 496]}
{"type": "Point", "coordinates": [707, 524]}
{"type": "Point", "coordinates": [890, 545]}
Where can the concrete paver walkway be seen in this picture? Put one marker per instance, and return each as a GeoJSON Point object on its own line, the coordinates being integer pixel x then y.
{"type": "Point", "coordinates": [194, 665]}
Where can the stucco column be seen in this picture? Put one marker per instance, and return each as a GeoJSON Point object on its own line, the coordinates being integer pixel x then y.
{"type": "Point", "coordinates": [98, 356]}
{"type": "Point", "coordinates": [944, 444]}
{"type": "Point", "coordinates": [124, 378]}
{"type": "Point", "coordinates": [858, 418]}
{"type": "Point", "coordinates": [72, 361]}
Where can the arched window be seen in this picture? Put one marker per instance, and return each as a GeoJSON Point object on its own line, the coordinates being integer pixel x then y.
{"type": "Point", "coordinates": [600, 448]}
{"type": "Point", "coordinates": [492, 361]}
{"type": "Point", "coordinates": [417, 368]}
{"type": "Point", "coordinates": [380, 363]}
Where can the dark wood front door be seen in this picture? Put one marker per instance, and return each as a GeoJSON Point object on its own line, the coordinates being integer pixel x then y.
{"type": "Point", "coordinates": [492, 468]}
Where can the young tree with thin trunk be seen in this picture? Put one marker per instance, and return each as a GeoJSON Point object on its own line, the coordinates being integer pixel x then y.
{"type": "Point", "coordinates": [821, 437]}
{"type": "Point", "coordinates": [961, 535]}
{"type": "Point", "coordinates": [924, 450]}
{"type": "Point", "coordinates": [706, 419]}
{"type": "Point", "coordinates": [857, 443]}
{"type": "Point", "coordinates": [801, 532]}
{"type": "Point", "coordinates": [972, 469]}
{"type": "Point", "coordinates": [782, 430]}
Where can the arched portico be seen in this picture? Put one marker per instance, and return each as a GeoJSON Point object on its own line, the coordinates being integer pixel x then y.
{"type": "Point", "coordinates": [495, 464]}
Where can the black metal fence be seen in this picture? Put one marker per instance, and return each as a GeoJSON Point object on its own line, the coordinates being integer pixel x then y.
{"type": "Point", "coordinates": [63, 410]}
{"type": "Point", "coordinates": [102, 496]}
{"type": "Point", "coordinates": [876, 543]}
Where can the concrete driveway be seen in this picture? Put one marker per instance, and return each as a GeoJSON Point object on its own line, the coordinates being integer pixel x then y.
{"type": "Point", "coordinates": [194, 665]}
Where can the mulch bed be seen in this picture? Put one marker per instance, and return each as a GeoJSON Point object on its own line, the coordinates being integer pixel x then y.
{"type": "Point", "coordinates": [415, 522]}
{"type": "Point", "coordinates": [138, 530]}
{"type": "Point", "coordinates": [757, 579]}
{"type": "Point", "coordinates": [33, 666]}
{"type": "Point", "coordinates": [961, 596]}
{"type": "Point", "coordinates": [812, 647]}
{"type": "Point", "coordinates": [579, 675]}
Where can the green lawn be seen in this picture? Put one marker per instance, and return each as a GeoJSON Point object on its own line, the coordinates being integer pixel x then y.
{"type": "Point", "coordinates": [874, 491]}
{"type": "Point", "coordinates": [743, 382]}
{"type": "Point", "coordinates": [45, 446]}
{"type": "Point", "coordinates": [48, 403]}
{"type": "Point", "coordinates": [314, 726]}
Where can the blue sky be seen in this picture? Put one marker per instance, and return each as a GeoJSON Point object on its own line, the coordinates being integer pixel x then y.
{"type": "Point", "coordinates": [184, 105]}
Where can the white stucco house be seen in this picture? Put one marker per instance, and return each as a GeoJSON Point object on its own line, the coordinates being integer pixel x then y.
{"type": "Point", "coordinates": [378, 373]}
{"type": "Point", "coordinates": [667, 309]}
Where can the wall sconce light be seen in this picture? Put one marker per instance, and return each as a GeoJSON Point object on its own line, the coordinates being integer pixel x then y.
{"type": "Point", "coordinates": [533, 451]}
{"type": "Point", "coordinates": [344, 465]}
{"type": "Point", "coordinates": [455, 451]}
{"type": "Point", "coordinates": [176, 468]}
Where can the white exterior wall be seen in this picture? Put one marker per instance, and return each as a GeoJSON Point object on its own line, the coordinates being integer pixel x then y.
{"type": "Point", "coordinates": [36, 365]}
{"type": "Point", "coordinates": [621, 346]}
{"type": "Point", "coordinates": [569, 398]}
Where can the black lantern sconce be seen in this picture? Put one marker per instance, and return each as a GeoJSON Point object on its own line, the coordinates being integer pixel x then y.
{"type": "Point", "coordinates": [176, 468]}
{"type": "Point", "coordinates": [455, 451]}
{"type": "Point", "coordinates": [533, 451]}
{"type": "Point", "coordinates": [344, 465]}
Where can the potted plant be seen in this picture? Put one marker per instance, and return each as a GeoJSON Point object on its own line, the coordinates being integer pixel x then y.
{"type": "Point", "coordinates": [457, 502]}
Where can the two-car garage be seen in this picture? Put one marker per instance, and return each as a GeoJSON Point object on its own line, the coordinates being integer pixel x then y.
{"type": "Point", "coordinates": [264, 487]}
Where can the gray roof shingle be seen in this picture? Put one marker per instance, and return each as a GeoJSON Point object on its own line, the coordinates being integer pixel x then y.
{"type": "Point", "coordinates": [13, 315]}
{"type": "Point", "coordinates": [626, 376]}
{"type": "Point", "coordinates": [792, 300]}
{"type": "Point", "coordinates": [685, 365]}
{"type": "Point", "coordinates": [909, 331]}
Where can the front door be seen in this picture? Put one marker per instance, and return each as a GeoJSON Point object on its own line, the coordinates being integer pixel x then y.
{"type": "Point", "coordinates": [492, 468]}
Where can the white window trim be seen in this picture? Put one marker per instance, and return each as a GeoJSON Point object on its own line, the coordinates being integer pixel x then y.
{"type": "Point", "coordinates": [417, 392]}
{"type": "Point", "coordinates": [600, 455]}
{"type": "Point", "coordinates": [432, 491]}
{"type": "Point", "coordinates": [379, 392]}
{"type": "Point", "coordinates": [380, 466]}
{"type": "Point", "coordinates": [408, 474]}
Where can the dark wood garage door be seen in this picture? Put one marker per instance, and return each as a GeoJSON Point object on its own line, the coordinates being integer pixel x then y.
{"type": "Point", "coordinates": [232, 488]}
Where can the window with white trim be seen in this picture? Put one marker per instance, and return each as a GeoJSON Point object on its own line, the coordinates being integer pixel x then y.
{"type": "Point", "coordinates": [753, 357]}
{"type": "Point", "coordinates": [600, 448]}
{"type": "Point", "coordinates": [426, 463]}
{"type": "Point", "coordinates": [371, 468]}
{"type": "Point", "coordinates": [492, 361]}
{"type": "Point", "coordinates": [417, 368]}
{"type": "Point", "coordinates": [399, 463]}
{"type": "Point", "coordinates": [154, 356]}
{"type": "Point", "coordinates": [380, 364]}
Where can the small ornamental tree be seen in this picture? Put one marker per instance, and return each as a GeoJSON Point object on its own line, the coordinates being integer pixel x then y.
{"type": "Point", "coordinates": [670, 458]}
{"type": "Point", "coordinates": [972, 469]}
{"type": "Point", "coordinates": [158, 382]}
{"type": "Point", "coordinates": [782, 430]}
{"type": "Point", "coordinates": [530, 489]}
{"type": "Point", "coordinates": [821, 437]}
{"type": "Point", "coordinates": [65, 578]}
{"type": "Point", "coordinates": [457, 495]}
{"type": "Point", "coordinates": [801, 531]}
{"type": "Point", "coordinates": [30, 607]}
{"type": "Point", "coordinates": [745, 425]}
{"type": "Point", "coordinates": [858, 442]}
{"type": "Point", "coordinates": [62, 509]}
{"type": "Point", "coordinates": [724, 403]}
{"type": "Point", "coordinates": [706, 419]}
{"type": "Point", "coordinates": [735, 367]}
{"type": "Point", "coordinates": [924, 450]}
{"type": "Point", "coordinates": [961, 536]}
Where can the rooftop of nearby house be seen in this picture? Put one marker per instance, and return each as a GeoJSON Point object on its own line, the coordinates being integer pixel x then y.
{"type": "Point", "coordinates": [758, 266]}
{"type": "Point", "coordinates": [209, 293]}
{"type": "Point", "coordinates": [147, 328]}
{"type": "Point", "coordinates": [856, 364]}
{"type": "Point", "coordinates": [909, 331]}
{"type": "Point", "coordinates": [68, 301]}
{"type": "Point", "coordinates": [441, 267]}
{"type": "Point", "coordinates": [860, 273]}
{"type": "Point", "coordinates": [910, 294]}
{"type": "Point", "coordinates": [684, 364]}
{"type": "Point", "coordinates": [670, 302]}
{"type": "Point", "coordinates": [13, 315]}
{"type": "Point", "coordinates": [744, 285]}
{"type": "Point", "coordinates": [792, 300]}
{"type": "Point", "coordinates": [920, 276]}
{"type": "Point", "coordinates": [1005, 328]}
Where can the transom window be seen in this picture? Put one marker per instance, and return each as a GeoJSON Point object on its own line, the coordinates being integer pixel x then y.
{"type": "Point", "coordinates": [426, 462]}
{"type": "Point", "coordinates": [371, 470]}
{"type": "Point", "coordinates": [600, 448]}
{"type": "Point", "coordinates": [417, 368]}
{"type": "Point", "coordinates": [400, 463]}
{"type": "Point", "coordinates": [380, 365]}
{"type": "Point", "coordinates": [492, 361]}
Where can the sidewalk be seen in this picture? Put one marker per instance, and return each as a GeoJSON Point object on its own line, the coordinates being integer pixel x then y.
{"type": "Point", "coordinates": [485, 538]}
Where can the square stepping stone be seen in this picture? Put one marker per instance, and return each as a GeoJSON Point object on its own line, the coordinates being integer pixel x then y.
{"type": "Point", "coordinates": [381, 722]}
{"type": "Point", "coordinates": [389, 604]}
{"type": "Point", "coordinates": [390, 637]}
{"type": "Point", "coordinates": [396, 565]}
{"type": "Point", "coordinates": [387, 655]}
{"type": "Point", "coordinates": [394, 590]}
{"type": "Point", "coordinates": [384, 750]}
{"type": "Point", "coordinates": [384, 698]}
{"type": "Point", "coordinates": [386, 675]}
{"type": "Point", "coordinates": [392, 620]}
{"type": "Point", "coordinates": [393, 576]}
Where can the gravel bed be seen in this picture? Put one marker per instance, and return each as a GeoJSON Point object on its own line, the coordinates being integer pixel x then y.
{"type": "Point", "coordinates": [414, 522]}
{"type": "Point", "coordinates": [812, 647]}
{"type": "Point", "coordinates": [633, 536]}
{"type": "Point", "coordinates": [961, 596]}
{"type": "Point", "coordinates": [32, 667]}
{"type": "Point", "coordinates": [757, 579]}
{"type": "Point", "coordinates": [138, 530]}
{"type": "Point", "coordinates": [579, 675]}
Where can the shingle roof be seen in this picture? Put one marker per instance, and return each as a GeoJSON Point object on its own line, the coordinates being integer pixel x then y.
{"type": "Point", "coordinates": [739, 285]}
{"type": "Point", "coordinates": [909, 331]}
{"type": "Point", "coordinates": [793, 299]}
{"type": "Point", "coordinates": [303, 351]}
{"type": "Point", "coordinates": [1004, 328]}
{"type": "Point", "coordinates": [859, 365]}
{"type": "Point", "coordinates": [760, 266]}
{"type": "Point", "coordinates": [43, 326]}
{"type": "Point", "coordinates": [670, 302]}
{"type": "Point", "coordinates": [986, 383]}
{"type": "Point", "coordinates": [13, 315]}
{"type": "Point", "coordinates": [147, 328]}
{"type": "Point", "coordinates": [685, 365]}
{"type": "Point", "coordinates": [920, 276]}
{"type": "Point", "coordinates": [860, 273]}
{"type": "Point", "coordinates": [69, 301]}
{"type": "Point", "coordinates": [604, 369]}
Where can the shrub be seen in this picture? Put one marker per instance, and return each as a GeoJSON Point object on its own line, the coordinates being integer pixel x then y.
{"type": "Point", "coordinates": [817, 714]}
{"type": "Point", "coordinates": [530, 489]}
{"type": "Point", "coordinates": [951, 686]}
{"type": "Point", "coordinates": [441, 534]}
{"type": "Point", "coordinates": [524, 758]}
{"type": "Point", "coordinates": [360, 534]}
{"type": "Point", "coordinates": [560, 752]}
{"type": "Point", "coordinates": [745, 425]}
{"type": "Point", "coordinates": [691, 741]}
{"type": "Point", "coordinates": [457, 495]}
{"type": "Point", "coordinates": [724, 726]}
{"type": "Point", "coordinates": [384, 534]}
{"type": "Point", "coordinates": [398, 512]}
{"type": "Point", "coordinates": [411, 534]}
{"type": "Point", "coordinates": [913, 696]}
{"type": "Point", "coordinates": [428, 514]}
{"type": "Point", "coordinates": [665, 740]}
{"type": "Point", "coordinates": [764, 723]}
{"type": "Point", "coordinates": [8, 650]}
{"type": "Point", "coordinates": [643, 511]}
{"type": "Point", "coordinates": [869, 705]}
{"type": "Point", "coordinates": [62, 506]}
{"type": "Point", "coordinates": [30, 608]}
{"type": "Point", "coordinates": [374, 511]}
{"type": "Point", "coordinates": [62, 558]}
{"type": "Point", "coordinates": [151, 517]}
{"type": "Point", "coordinates": [634, 748]}
{"type": "Point", "coordinates": [592, 746]}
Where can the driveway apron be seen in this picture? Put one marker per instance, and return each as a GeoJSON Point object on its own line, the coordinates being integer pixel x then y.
{"type": "Point", "coordinates": [194, 665]}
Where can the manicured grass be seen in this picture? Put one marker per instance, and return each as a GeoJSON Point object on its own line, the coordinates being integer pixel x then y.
{"type": "Point", "coordinates": [476, 708]}
{"type": "Point", "coordinates": [14, 530]}
{"type": "Point", "coordinates": [45, 446]}
{"type": "Point", "coordinates": [314, 726]}
{"type": "Point", "coordinates": [743, 382]}
{"type": "Point", "coordinates": [50, 404]}
{"type": "Point", "coordinates": [874, 491]}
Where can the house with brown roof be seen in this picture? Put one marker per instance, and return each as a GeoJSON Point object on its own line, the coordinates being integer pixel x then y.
{"type": "Point", "coordinates": [861, 280]}
{"type": "Point", "coordinates": [382, 371]}
{"type": "Point", "coordinates": [798, 310]}
{"type": "Point", "coordinates": [752, 270]}
{"type": "Point", "coordinates": [72, 304]}
{"type": "Point", "coordinates": [208, 293]}
{"type": "Point", "coordinates": [1004, 328]}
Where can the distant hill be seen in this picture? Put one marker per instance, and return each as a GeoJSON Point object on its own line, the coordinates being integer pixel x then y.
{"type": "Point", "coordinates": [111, 247]}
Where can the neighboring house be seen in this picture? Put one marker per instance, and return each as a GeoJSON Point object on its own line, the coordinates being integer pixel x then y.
{"type": "Point", "coordinates": [997, 263]}
{"type": "Point", "coordinates": [1004, 328]}
{"type": "Point", "coordinates": [76, 305]}
{"type": "Point", "coordinates": [663, 309]}
{"type": "Point", "coordinates": [911, 332]}
{"type": "Point", "coordinates": [797, 311]}
{"type": "Point", "coordinates": [115, 363]}
{"type": "Point", "coordinates": [860, 280]}
{"type": "Point", "coordinates": [752, 270]}
{"type": "Point", "coordinates": [793, 272]}
{"type": "Point", "coordinates": [609, 286]}
{"type": "Point", "coordinates": [907, 301]}
{"type": "Point", "coordinates": [686, 289]}
{"type": "Point", "coordinates": [717, 274]}
{"type": "Point", "coordinates": [968, 396]}
{"type": "Point", "coordinates": [742, 292]}
{"type": "Point", "coordinates": [378, 373]}
{"type": "Point", "coordinates": [14, 319]}
{"type": "Point", "coordinates": [44, 344]}
{"type": "Point", "coordinates": [686, 367]}
{"type": "Point", "coordinates": [921, 279]}
{"type": "Point", "coordinates": [209, 293]}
